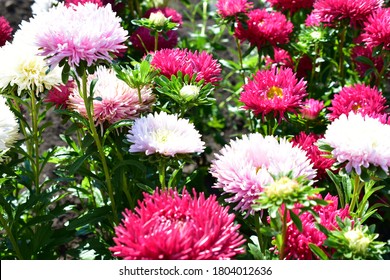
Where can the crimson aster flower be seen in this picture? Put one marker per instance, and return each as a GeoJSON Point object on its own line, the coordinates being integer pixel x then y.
{"type": "Point", "coordinates": [358, 98]}
{"type": "Point", "coordinates": [311, 108]}
{"type": "Point", "coordinates": [59, 95]}
{"type": "Point", "coordinates": [245, 165]}
{"type": "Point", "coordinates": [377, 29]}
{"type": "Point", "coordinates": [330, 11]}
{"type": "Point", "coordinates": [80, 33]}
{"type": "Point", "coordinates": [231, 8]}
{"type": "Point", "coordinates": [281, 59]}
{"type": "Point", "coordinates": [5, 31]}
{"type": "Point", "coordinates": [361, 49]}
{"type": "Point", "coordinates": [292, 6]}
{"type": "Point", "coordinates": [264, 28]}
{"type": "Point", "coordinates": [297, 243]}
{"type": "Point", "coordinates": [276, 91]}
{"type": "Point", "coordinates": [307, 143]}
{"type": "Point", "coordinates": [172, 226]}
{"type": "Point", "coordinates": [170, 61]}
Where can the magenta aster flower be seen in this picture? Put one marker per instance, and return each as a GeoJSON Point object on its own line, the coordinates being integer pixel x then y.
{"type": "Point", "coordinates": [59, 95]}
{"type": "Point", "coordinates": [164, 134]}
{"type": "Point", "coordinates": [143, 41]}
{"type": "Point", "coordinates": [5, 31]}
{"type": "Point", "coordinates": [172, 226]}
{"type": "Point", "coordinates": [281, 59]}
{"type": "Point", "coordinates": [297, 243]}
{"type": "Point", "coordinates": [68, 3]}
{"type": "Point", "coordinates": [358, 98]}
{"type": "Point", "coordinates": [245, 165]}
{"type": "Point", "coordinates": [276, 91]}
{"type": "Point", "coordinates": [377, 29]}
{"type": "Point", "coordinates": [357, 12]}
{"type": "Point", "coordinates": [307, 143]}
{"type": "Point", "coordinates": [84, 33]}
{"type": "Point", "coordinates": [117, 101]}
{"type": "Point", "coordinates": [263, 28]}
{"type": "Point", "coordinates": [231, 8]}
{"type": "Point", "coordinates": [311, 108]}
{"type": "Point", "coordinates": [170, 61]}
{"type": "Point", "coordinates": [313, 19]}
{"type": "Point", "coordinates": [292, 6]}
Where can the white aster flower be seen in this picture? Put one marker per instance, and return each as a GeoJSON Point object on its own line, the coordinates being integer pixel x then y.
{"type": "Point", "coordinates": [40, 6]}
{"type": "Point", "coordinates": [164, 134]}
{"type": "Point", "coordinates": [359, 142]}
{"type": "Point", "coordinates": [8, 127]}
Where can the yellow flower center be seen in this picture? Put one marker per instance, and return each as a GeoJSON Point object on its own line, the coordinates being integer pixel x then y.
{"type": "Point", "coordinates": [162, 136]}
{"type": "Point", "coordinates": [274, 92]}
{"type": "Point", "coordinates": [356, 107]}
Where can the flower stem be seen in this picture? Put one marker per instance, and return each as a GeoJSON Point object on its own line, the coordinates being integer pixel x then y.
{"type": "Point", "coordinates": [89, 108]}
{"type": "Point", "coordinates": [258, 224]}
{"type": "Point", "coordinates": [284, 235]}
{"type": "Point", "coordinates": [238, 44]}
{"type": "Point", "coordinates": [11, 237]}
{"type": "Point", "coordinates": [341, 52]}
{"type": "Point", "coordinates": [156, 40]}
{"type": "Point", "coordinates": [162, 173]}
{"type": "Point", "coordinates": [35, 141]}
{"type": "Point", "coordinates": [357, 187]}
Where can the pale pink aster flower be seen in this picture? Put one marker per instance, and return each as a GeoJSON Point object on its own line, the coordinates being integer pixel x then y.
{"type": "Point", "coordinates": [311, 108]}
{"type": "Point", "coordinates": [292, 6]}
{"type": "Point", "coordinates": [164, 134]}
{"type": "Point", "coordinates": [359, 141]}
{"type": "Point", "coordinates": [358, 98]}
{"type": "Point", "coordinates": [245, 165]}
{"type": "Point", "coordinates": [5, 31]}
{"type": "Point", "coordinates": [231, 8]}
{"type": "Point", "coordinates": [167, 225]}
{"type": "Point", "coordinates": [113, 100]}
{"type": "Point", "coordinates": [80, 33]}
{"type": "Point", "coordinates": [297, 243]}
{"type": "Point", "coordinates": [377, 29]}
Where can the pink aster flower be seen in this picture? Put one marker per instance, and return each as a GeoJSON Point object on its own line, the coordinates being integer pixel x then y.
{"type": "Point", "coordinates": [117, 101]}
{"type": "Point", "coordinates": [143, 41]}
{"type": "Point", "coordinates": [68, 3]}
{"type": "Point", "coordinates": [85, 33]}
{"type": "Point", "coordinates": [170, 61]}
{"type": "Point", "coordinates": [307, 143]}
{"type": "Point", "coordinates": [313, 19]}
{"type": "Point", "coordinates": [297, 243]}
{"type": "Point", "coordinates": [172, 226]}
{"type": "Point", "coordinates": [164, 134]}
{"type": "Point", "coordinates": [357, 12]}
{"type": "Point", "coordinates": [59, 95]}
{"type": "Point", "coordinates": [263, 28]}
{"type": "Point", "coordinates": [292, 6]}
{"type": "Point", "coordinates": [311, 108]}
{"type": "Point", "coordinates": [276, 91]}
{"type": "Point", "coordinates": [358, 98]}
{"type": "Point", "coordinates": [281, 59]}
{"type": "Point", "coordinates": [245, 165]}
{"type": "Point", "coordinates": [359, 141]}
{"type": "Point", "coordinates": [5, 31]}
{"type": "Point", "coordinates": [377, 29]}
{"type": "Point", "coordinates": [231, 8]}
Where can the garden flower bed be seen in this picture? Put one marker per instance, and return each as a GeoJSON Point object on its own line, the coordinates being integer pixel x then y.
{"type": "Point", "coordinates": [196, 130]}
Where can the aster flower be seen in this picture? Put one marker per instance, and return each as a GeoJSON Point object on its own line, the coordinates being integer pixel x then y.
{"type": "Point", "coordinates": [245, 165]}
{"type": "Point", "coordinates": [312, 19]}
{"type": "Point", "coordinates": [21, 66]}
{"type": "Point", "coordinates": [377, 29]}
{"type": "Point", "coordinates": [59, 95]}
{"type": "Point", "coordinates": [276, 91]}
{"type": "Point", "coordinates": [113, 100]}
{"type": "Point", "coordinates": [292, 6]}
{"type": "Point", "coordinates": [143, 41]}
{"type": "Point", "coordinates": [85, 33]}
{"type": "Point", "coordinates": [231, 8]}
{"type": "Point", "coordinates": [8, 128]}
{"type": "Point", "coordinates": [320, 162]}
{"type": "Point", "coordinates": [281, 59]}
{"type": "Point", "coordinates": [358, 141]}
{"type": "Point", "coordinates": [297, 243]}
{"type": "Point", "coordinates": [167, 225]}
{"type": "Point", "coordinates": [358, 98]}
{"type": "Point", "coordinates": [68, 3]}
{"type": "Point", "coordinates": [311, 108]}
{"type": "Point", "coordinates": [40, 6]}
{"type": "Point", "coordinates": [164, 134]}
{"type": "Point", "coordinates": [170, 61]}
{"type": "Point", "coordinates": [330, 11]}
{"type": "Point", "coordinates": [264, 28]}
{"type": "Point", "coordinates": [5, 31]}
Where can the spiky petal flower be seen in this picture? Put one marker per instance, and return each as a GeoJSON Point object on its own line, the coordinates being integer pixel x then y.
{"type": "Point", "coordinates": [359, 141]}
{"type": "Point", "coordinates": [377, 29]}
{"type": "Point", "coordinates": [358, 98]}
{"type": "Point", "coordinates": [173, 226]}
{"type": "Point", "coordinates": [281, 59]}
{"type": "Point", "coordinates": [5, 31]}
{"type": "Point", "coordinates": [297, 243]}
{"type": "Point", "coordinates": [293, 6]}
{"type": "Point", "coordinates": [85, 33]}
{"type": "Point", "coordinates": [59, 95]}
{"type": "Point", "coordinates": [164, 134]}
{"type": "Point", "coordinates": [311, 108]}
{"type": "Point", "coordinates": [330, 11]}
{"type": "Point", "coordinates": [68, 3]}
{"type": "Point", "coordinates": [8, 128]}
{"type": "Point", "coordinates": [113, 100]}
{"type": "Point", "coordinates": [170, 61]}
{"type": "Point", "coordinates": [264, 28]}
{"type": "Point", "coordinates": [276, 91]}
{"type": "Point", "coordinates": [245, 165]}
{"type": "Point", "coordinates": [231, 8]}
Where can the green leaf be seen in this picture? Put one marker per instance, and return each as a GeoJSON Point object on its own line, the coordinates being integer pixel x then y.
{"type": "Point", "coordinates": [297, 221]}
{"type": "Point", "coordinates": [91, 217]}
{"type": "Point", "coordinates": [365, 60]}
{"type": "Point", "coordinates": [65, 73]}
{"type": "Point", "coordinates": [318, 251]}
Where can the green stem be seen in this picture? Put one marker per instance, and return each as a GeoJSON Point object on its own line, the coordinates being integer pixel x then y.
{"type": "Point", "coordinates": [380, 75]}
{"type": "Point", "coordinates": [89, 108]}
{"type": "Point", "coordinates": [35, 141]}
{"type": "Point", "coordinates": [11, 237]}
{"type": "Point", "coordinates": [284, 234]}
{"type": "Point", "coordinates": [357, 187]}
{"type": "Point", "coordinates": [258, 224]}
{"type": "Point", "coordinates": [341, 53]}
{"type": "Point", "coordinates": [162, 173]}
{"type": "Point", "coordinates": [156, 40]}
{"type": "Point", "coordinates": [238, 44]}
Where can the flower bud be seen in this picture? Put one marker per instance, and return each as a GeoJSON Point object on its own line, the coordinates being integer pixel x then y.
{"type": "Point", "coordinates": [281, 187]}
{"type": "Point", "coordinates": [158, 19]}
{"type": "Point", "coordinates": [358, 242]}
{"type": "Point", "coordinates": [189, 92]}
